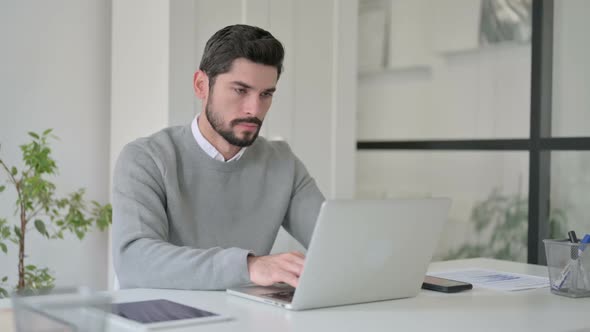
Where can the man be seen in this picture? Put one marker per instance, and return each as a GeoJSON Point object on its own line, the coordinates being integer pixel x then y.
{"type": "Point", "coordinates": [199, 206]}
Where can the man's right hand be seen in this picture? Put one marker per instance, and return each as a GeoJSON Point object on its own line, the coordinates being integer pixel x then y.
{"type": "Point", "coordinates": [268, 270]}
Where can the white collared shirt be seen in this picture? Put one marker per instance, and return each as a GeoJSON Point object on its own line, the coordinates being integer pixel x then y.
{"type": "Point", "coordinates": [208, 147]}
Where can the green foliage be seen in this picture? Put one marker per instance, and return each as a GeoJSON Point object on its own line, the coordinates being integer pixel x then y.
{"type": "Point", "coordinates": [4, 234]}
{"type": "Point", "coordinates": [52, 217]}
{"type": "Point", "coordinates": [38, 279]}
{"type": "Point", "coordinates": [504, 219]}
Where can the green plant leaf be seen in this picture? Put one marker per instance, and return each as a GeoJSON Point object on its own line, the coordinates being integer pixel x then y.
{"type": "Point", "coordinates": [4, 279]}
{"type": "Point", "coordinates": [4, 229]}
{"type": "Point", "coordinates": [103, 215]}
{"type": "Point", "coordinates": [17, 232]}
{"type": "Point", "coordinates": [3, 292]}
{"type": "Point", "coordinates": [38, 279]}
{"type": "Point", "coordinates": [40, 226]}
{"type": "Point", "coordinates": [72, 214]}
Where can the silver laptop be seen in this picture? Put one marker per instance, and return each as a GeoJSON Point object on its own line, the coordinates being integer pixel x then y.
{"type": "Point", "coordinates": [362, 251]}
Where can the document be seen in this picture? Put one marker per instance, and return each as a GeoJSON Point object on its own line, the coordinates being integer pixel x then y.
{"type": "Point", "coordinates": [502, 281]}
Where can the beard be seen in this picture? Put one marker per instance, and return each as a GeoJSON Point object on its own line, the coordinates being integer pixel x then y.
{"type": "Point", "coordinates": [228, 134]}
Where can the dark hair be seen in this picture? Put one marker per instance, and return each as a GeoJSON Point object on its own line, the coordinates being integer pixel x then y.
{"type": "Point", "coordinates": [240, 41]}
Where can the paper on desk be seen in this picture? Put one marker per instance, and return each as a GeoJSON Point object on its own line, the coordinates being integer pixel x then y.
{"type": "Point", "coordinates": [504, 281]}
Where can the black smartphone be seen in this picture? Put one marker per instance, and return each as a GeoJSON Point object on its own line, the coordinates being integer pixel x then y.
{"type": "Point", "coordinates": [445, 285]}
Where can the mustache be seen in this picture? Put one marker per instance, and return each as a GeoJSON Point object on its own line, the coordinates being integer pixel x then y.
{"type": "Point", "coordinates": [254, 120]}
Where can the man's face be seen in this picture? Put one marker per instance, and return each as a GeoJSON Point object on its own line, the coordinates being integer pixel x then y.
{"type": "Point", "coordinates": [239, 99]}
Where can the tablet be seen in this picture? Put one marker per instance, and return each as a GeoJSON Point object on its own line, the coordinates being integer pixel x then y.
{"type": "Point", "coordinates": [159, 314]}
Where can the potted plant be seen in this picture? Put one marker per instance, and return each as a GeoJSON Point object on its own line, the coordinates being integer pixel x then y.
{"type": "Point", "coordinates": [38, 208]}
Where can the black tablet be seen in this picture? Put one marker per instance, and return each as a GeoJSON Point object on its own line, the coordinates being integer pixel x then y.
{"type": "Point", "coordinates": [157, 314]}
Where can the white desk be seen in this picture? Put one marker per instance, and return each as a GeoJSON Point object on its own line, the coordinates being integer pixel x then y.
{"type": "Point", "coordinates": [475, 310]}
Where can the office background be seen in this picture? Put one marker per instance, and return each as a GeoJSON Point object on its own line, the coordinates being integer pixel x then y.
{"type": "Point", "coordinates": [102, 73]}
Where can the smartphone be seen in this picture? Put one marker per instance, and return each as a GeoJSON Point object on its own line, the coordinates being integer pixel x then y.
{"type": "Point", "coordinates": [445, 285]}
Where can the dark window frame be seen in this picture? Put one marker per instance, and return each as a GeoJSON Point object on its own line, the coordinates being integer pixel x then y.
{"type": "Point", "coordinates": [540, 142]}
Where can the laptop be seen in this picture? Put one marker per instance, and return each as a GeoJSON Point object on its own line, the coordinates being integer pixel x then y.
{"type": "Point", "coordinates": [362, 251]}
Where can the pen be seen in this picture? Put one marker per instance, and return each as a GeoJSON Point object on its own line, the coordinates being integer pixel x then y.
{"type": "Point", "coordinates": [583, 271]}
{"type": "Point", "coordinates": [572, 237]}
{"type": "Point", "coordinates": [584, 243]}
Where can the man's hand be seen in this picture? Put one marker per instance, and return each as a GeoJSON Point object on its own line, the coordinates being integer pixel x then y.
{"type": "Point", "coordinates": [267, 270]}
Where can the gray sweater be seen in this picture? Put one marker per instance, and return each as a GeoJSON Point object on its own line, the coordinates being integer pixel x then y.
{"type": "Point", "coordinates": [184, 220]}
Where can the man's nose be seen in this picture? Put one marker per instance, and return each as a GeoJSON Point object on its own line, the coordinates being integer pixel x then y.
{"type": "Point", "coordinates": [253, 105]}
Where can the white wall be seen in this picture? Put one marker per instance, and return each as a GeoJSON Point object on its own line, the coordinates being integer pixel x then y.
{"type": "Point", "coordinates": [183, 62]}
{"type": "Point", "coordinates": [141, 74]}
{"type": "Point", "coordinates": [140, 71]}
{"type": "Point", "coordinates": [55, 73]}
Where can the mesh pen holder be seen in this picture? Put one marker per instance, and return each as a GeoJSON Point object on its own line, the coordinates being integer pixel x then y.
{"type": "Point", "coordinates": [569, 267]}
{"type": "Point", "coordinates": [63, 310]}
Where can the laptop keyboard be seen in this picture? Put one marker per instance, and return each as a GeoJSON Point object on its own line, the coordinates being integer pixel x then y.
{"type": "Point", "coordinates": [286, 296]}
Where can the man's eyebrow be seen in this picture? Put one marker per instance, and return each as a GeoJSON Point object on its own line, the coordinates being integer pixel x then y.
{"type": "Point", "coordinates": [246, 86]}
{"type": "Point", "coordinates": [242, 84]}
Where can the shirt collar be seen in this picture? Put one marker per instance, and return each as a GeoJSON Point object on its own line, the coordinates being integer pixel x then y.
{"type": "Point", "coordinates": [208, 147]}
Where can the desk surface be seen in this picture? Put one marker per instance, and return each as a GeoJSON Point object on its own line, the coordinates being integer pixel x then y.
{"type": "Point", "coordinates": [475, 310]}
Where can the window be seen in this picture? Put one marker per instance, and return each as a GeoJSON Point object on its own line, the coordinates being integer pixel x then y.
{"type": "Point", "coordinates": [494, 120]}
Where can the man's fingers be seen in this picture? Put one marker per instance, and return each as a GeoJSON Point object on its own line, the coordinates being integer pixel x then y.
{"type": "Point", "coordinates": [287, 268]}
{"type": "Point", "coordinates": [289, 279]}
{"type": "Point", "coordinates": [297, 259]}
{"type": "Point", "coordinates": [298, 254]}
{"type": "Point", "coordinates": [294, 260]}
{"type": "Point", "coordinates": [292, 267]}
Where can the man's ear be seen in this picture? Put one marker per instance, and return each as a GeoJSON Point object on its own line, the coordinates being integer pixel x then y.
{"type": "Point", "coordinates": [201, 84]}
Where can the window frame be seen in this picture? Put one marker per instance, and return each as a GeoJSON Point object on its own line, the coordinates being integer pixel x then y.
{"type": "Point", "coordinates": [539, 144]}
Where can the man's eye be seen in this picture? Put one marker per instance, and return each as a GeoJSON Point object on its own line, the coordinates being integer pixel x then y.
{"type": "Point", "coordinates": [266, 94]}
{"type": "Point", "coordinates": [240, 91]}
